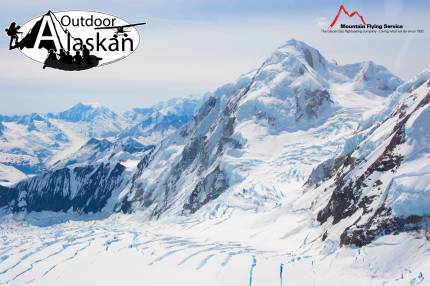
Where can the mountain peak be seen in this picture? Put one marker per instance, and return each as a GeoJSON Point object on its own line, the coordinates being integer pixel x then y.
{"type": "Point", "coordinates": [295, 43]}
{"type": "Point", "coordinates": [304, 52]}
{"type": "Point", "coordinates": [92, 104]}
{"type": "Point", "coordinates": [85, 112]}
{"type": "Point", "coordinates": [375, 78]}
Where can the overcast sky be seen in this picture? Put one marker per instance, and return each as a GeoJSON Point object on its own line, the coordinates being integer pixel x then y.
{"type": "Point", "coordinates": [190, 47]}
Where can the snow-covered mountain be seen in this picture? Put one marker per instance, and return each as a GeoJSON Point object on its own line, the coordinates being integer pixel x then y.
{"type": "Point", "coordinates": [100, 121]}
{"type": "Point", "coordinates": [296, 96]}
{"type": "Point", "coordinates": [29, 141]}
{"type": "Point", "coordinates": [300, 166]}
{"type": "Point", "coordinates": [249, 140]}
{"type": "Point", "coordinates": [262, 134]}
{"type": "Point", "coordinates": [32, 143]}
{"type": "Point", "coordinates": [150, 125]}
{"type": "Point", "coordinates": [127, 151]}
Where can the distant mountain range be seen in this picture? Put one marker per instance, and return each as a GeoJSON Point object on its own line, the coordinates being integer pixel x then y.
{"type": "Point", "coordinates": [30, 144]}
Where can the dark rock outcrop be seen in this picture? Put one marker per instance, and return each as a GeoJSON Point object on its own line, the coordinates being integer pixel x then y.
{"type": "Point", "coordinates": [80, 189]}
{"type": "Point", "coordinates": [347, 198]}
{"type": "Point", "coordinates": [212, 186]}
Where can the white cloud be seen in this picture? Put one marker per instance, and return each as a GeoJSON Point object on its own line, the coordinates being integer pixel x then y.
{"type": "Point", "coordinates": [321, 22]}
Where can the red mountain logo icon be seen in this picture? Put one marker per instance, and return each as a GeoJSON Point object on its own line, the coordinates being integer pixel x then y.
{"type": "Point", "coordinates": [353, 14]}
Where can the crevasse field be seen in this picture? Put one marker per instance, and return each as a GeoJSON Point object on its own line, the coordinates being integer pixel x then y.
{"type": "Point", "coordinates": [249, 249]}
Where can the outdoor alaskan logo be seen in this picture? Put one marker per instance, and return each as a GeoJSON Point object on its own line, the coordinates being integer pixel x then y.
{"type": "Point", "coordinates": [75, 40]}
{"type": "Point", "coordinates": [352, 21]}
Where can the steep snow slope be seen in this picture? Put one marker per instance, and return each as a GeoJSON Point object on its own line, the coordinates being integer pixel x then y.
{"type": "Point", "coordinates": [255, 142]}
{"type": "Point", "coordinates": [384, 186]}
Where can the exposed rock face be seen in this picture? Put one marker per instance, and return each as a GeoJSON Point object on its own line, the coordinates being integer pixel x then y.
{"type": "Point", "coordinates": [2, 128]}
{"type": "Point", "coordinates": [209, 189]}
{"type": "Point", "coordinates": [360, 194]}
{"type": "Point", "coordinates": [201, 153]}
{"type": "Point", "coordinates": [382, 223]}
{"type": "Point", "coordinates": [328, 169]}
{"type": "Point", "coordinates": [311, 104]}
{"type": "Point", "coordinates": [345, 198]}
{"type": "Point", "coordinates": [125, 205]}
{"type": "Point", "coordinates": [81, 189]}
{"type": "Point", "coordinates": [7, 196]}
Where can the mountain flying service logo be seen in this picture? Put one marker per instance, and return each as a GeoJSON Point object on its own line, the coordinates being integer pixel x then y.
{"type": "Point", "coordinates": [353, 22]}
{"type": "Point", "coordinates": [345, 12]}
{"type": "Point", "coordinates": [75, 40]}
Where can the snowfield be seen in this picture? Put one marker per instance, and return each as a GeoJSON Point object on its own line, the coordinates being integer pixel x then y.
{"type": "Point", "coordinates": [121, 250]}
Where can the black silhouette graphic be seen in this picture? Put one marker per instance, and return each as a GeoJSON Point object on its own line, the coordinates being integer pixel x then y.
{"type": "Point", "coordinates": [62, 55]}
{"type": "Point", "coordinates": [86, 53]}
{"type": "Point", "coordinates": [13, 32]}
{"type": "Point", "coordinates": [65, 61]}
{"type": "Point", "coordinates": [119, 30]}
{"type": "Point", "coordinates": [78, 58]}
{"type": "Point", "coordinates": [52, 55]}
{"type": "Point", "coordinates": [64, 51]}
{"type": "Point", "coordinates": [29, 40]}
{"type": "Point", "coordinates": [68, 59]}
